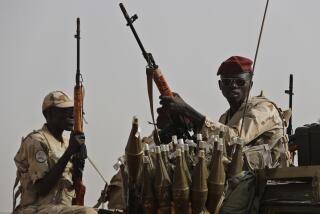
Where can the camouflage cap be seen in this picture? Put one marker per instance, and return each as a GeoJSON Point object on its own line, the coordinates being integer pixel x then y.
{"type": "Point", "coordinates": [57, 99]}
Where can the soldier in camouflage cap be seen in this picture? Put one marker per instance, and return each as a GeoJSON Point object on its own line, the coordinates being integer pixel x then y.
{"type": "Point", "coordinates": [44, 167]}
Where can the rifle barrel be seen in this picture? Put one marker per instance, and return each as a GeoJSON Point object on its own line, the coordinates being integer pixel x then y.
{"type": "Point", "coordinates": [148, 57]}
{"type": "Point", "coordinates": [77, 36]}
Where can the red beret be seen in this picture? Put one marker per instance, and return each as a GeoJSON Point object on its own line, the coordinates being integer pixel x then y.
{"type": "Point", "coordinates": [235, 65]}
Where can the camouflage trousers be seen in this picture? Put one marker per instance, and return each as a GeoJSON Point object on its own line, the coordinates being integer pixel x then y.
{"type": "Point", "coordinates": [241, 197]}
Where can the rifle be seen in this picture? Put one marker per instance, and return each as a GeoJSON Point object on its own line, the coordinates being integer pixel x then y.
{"type": "Point", "coordinates": [80, 189]}
{"type": "Point", "coordinates": [290, 93]}
{"type": "Point", "coordinates": [155, 74]}
{"type": "Point", "coordinates": [293, 147]}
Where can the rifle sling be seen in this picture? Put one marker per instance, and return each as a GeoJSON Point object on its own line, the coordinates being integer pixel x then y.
{"type": "Point", "coordinates": [149, 73]}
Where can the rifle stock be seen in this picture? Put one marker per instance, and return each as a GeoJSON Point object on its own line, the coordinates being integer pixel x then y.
{"type": "Point", "coordinates": [161, 83]}
{"type": "Point", "coordinates": [78, 102]}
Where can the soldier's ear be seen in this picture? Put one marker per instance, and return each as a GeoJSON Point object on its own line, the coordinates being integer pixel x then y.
{"type": "Point", "coordinates": [45, 114]}
{"type": "Point", "coordinates": [48, 114]}
{"type": "Point", "coordinates": [220, 84]}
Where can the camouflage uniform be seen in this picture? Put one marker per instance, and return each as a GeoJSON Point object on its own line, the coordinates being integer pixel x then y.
{"type": "Point", "coordinates": [38, 153]}
{"type": "Point", "coordinates": [263, 128]}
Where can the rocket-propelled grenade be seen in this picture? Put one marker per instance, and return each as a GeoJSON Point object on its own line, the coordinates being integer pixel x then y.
{"type": "Point", "coordinates": [165, 159]}
{"type": "Point", "coordinates": [162, 185]}
{"type": "Point", "coordinates": [148, 199]}
{"type": "Point", "coordinates": [216, 179]}
{"type": "Point", "coordinates": [180, 186]}
{"type": "Point", "coordinates": [199, 188]}
{"type": "Point", "coordinates": [184, 162]}
{"type": "Point", "coordinates": [134, 153]}
{"type": "Point", "coordinates": [187, 157]}
{"type": "Point", "coordinates": [148, 154]}
{"type": "Point", "coordinates": [134, 157]}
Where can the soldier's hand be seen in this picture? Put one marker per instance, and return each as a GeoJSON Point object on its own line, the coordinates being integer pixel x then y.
{"type": "Point", "coordinates": [163, 118]}
{"type": "Point", "coordinates": [174, 105]}
{"type": "Point", "coordinates": [76, 143]}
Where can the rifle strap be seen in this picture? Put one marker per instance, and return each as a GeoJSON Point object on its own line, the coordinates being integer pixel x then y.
{"type": "Point", "coordinates": [149, 73]}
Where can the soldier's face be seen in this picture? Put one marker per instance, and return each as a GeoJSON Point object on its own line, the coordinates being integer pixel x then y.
{"type": "Point", "coordinates": [235, 87]}
{"type": "Point", "coordinates": [61, 118]}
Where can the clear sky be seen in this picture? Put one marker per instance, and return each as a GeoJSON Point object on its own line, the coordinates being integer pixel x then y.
{"type": "Point", "coordinates": [188, 39]}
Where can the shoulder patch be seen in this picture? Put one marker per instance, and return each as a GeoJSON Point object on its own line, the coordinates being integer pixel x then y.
{"type": "Point", "coordinates": [41, 156]}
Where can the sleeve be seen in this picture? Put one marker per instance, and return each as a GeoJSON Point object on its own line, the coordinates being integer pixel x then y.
{"type": "Point", "coordinates": [257, 120]}
{"type": "Point", "coordinates": [37, 157]}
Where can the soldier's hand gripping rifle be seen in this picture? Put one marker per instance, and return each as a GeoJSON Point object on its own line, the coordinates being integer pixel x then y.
{"type": "Point", "coordinates": [78, 159]}
{"type": "Point", "coordinates": [153, 73]}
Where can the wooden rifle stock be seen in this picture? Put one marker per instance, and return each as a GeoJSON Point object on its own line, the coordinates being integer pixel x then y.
{"type": "Point", "coordinates": [80, 189]}
{"type": "Point", "coordinates": [78, 102]}
{"type": "Point", "coordinates": [161, 83]}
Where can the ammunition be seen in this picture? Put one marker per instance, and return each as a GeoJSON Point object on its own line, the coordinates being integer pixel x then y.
{"type": "Point", "coordinates": [187, 157]}
{"type": "Point", "coordinates": [192, 148]}
{"type": "Point", "coordinates": [170, 146]}
{"type": "Point", "coordinates": [202, 146]}
{"type": "Point", "coordinates": [185, 166]}
{"type": "Point", "coordinates": [162, 185]}
{"type": "Point", "coordinates": [134, 157]}
{"type": "Point", "coordinates": [215, 142]}
{"type": "Point", "coordinates": [216, 180]}
{"type": "Point", "coordinates": [174, 142]}
{"type": "Point", "coordinates": [134, 153]}
{"type": "Point", "coordinates": [180, 186]}
{"type": "Point", "coordinates": [165, 159]}
{"type": "Point", "coordinates": [199, 139]}
{"type": "Point", "coordinates": [148, 154]}
{"type": "Point", "coordinates": [236, 165]}
{"type": "Point", "coordinates": [199, 188]}
{"type": "Point", "coordinates": [222, 134]}
{"type": "Point", "coordinates": [148, 199]}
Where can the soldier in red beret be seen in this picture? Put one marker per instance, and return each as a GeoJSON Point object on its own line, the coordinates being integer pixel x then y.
{"type": "Point", "coordinates": [264, 124]}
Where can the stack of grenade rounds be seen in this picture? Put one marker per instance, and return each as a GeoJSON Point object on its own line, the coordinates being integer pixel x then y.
{"type": "Point", "coordinates": [177, 177]}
